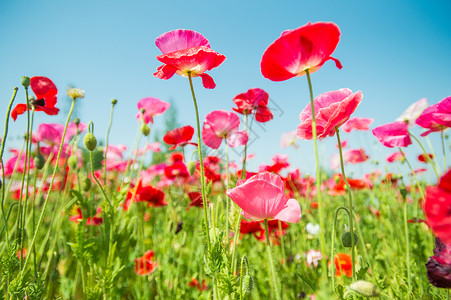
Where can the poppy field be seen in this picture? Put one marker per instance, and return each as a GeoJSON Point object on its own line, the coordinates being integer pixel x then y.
{"type": "Point", "coordinates": [177, 218]}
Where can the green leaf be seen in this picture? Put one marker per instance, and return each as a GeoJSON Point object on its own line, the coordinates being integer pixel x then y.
{"type": "Point", "coordinates": [361, 273]}
{"type": "Point", "coordinates": [309, 282]}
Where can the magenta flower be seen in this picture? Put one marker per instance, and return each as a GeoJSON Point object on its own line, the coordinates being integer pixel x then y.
{"type": "Point", "coordinates": [187, 51]}
{"type": "Point", "coordinates": [439, 266]}
{"type": "Point", "coordinates": [410, 115]}
{"type": "Point", "coordinates": [295, 51]}
{"type": "Point", "coordinates": [357, 123]}
{"type": "Point", "coordinates": [152, 107]}
{"type": "Point", "coordinates": [332, 110]}
{"type": "Point", "coordinates": [436, 117]}
{"type": "Point", "coordinates": [50, 133]}
{"type": "Point", "coordinates": [221, 124]}
{"type": "Point", "coordinates": [397, 156]}
{"type": "Point", "coordinates": [254, 101]}
{"type": "Point", "coordinates": [393, 134]}
{"type": "Point", "coordinates": [355, 156]}
{"type": "Point", "coordinates": [263, 197]}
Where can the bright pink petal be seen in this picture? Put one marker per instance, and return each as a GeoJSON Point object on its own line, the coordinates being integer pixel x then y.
{"type": "Point", "coordinates": [207, 81]}
{"type": "Point", "coordinates": [393, 134]}
{"type": "Point", "coordinates": [209, 137]}
{"type": "Point", "coordinates": [222, 122]}
{"type": "Point", "coordinates": [165, 72]}
{"type": "Point", "coordinates": [291, 213]}
{"type": "Point", "coordinates": [237, 138]}
{"type": "Point", "coordinates": [180, 39]}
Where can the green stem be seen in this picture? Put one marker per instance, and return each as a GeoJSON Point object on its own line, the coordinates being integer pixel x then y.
{"type": "Point", "coordinates": [199, 152]}
{"type": "Point", "coordinates": [5, 134]}
{"type": "Point", "coordinates": [106, 143]}
{"type": "Point", "coordinates": [413, 173]}
{"type": "Point", "coordinates": [243, 170]}
{"type": "Point", "coordinates": [227, 198]}
{"type": "Point", "coordinates": [41, 217]}
{"type": "Point", "coordinates": [351, 220]}
{"type": "Point", "coordinates": [271, 262]}
{"type": "Point", "coordinates": [444, 159]}
{"type": "Point", "coordinates": [241, 279]}
{"type": "Point", "coordinates": [406, 231]}
{"type": "Point", "coordinates": [332, 252]}
{"type": "Point", "coordinates": [428, 159]}
{"type": "Point", "coordinates": [282, 242]}
{"type": "Point", "coordinates": [135, 143]}
{"type": "Point", "coordinates": [318, 179]}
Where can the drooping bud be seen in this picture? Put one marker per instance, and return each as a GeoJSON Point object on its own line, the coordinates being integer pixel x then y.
{"type": "Point", "coordinates": [39, 161]}
{"type": "Point", "coordinates": [86, 184]}
{"type": "Point", "coordinates": [73, 162]}
{"type": "Point", "coordinates": [248, 284]}
{"type": "Point", "coordinates": [191, 166]}
{"type": "Point", "coordinates": [145, 129]}
{"type": "Point", "coordinates": [90, 141]}
{"type": "Point", "coordinates": [365, 288]}
{"type": "Point", "coordinates": [346, 239]}
{"type": "Point", "coordinates": [25, 81]}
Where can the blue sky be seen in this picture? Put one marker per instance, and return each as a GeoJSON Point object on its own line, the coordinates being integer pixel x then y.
{"type": "Point", "coordinates": [395, 52]}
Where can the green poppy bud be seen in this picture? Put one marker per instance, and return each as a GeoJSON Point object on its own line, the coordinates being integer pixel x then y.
{"type": "Point", "coordinates": [39, 161]}
{"type": "Point", "coordinates": [86, 184]}
{"type": "Point", "coordinates": [248, 284]}
{"type": "Point", "coordinates": [114, 101]}
{"type": "Point", "coordinates": [25, 81]}
{"type": "Point", "coordinates": [90, 141]}
{"type": "Point", "coordinates": [365, 288]}
{"type": "Point", "coordinates": [73, 162]}
{"type": "Point", "coordinates": [346, 239]}
{"type": "Point", "coordinates": [191, 166]}
{"type": "Point", "coordinates": [145, 129]}
{"type": "Point", "coordinates": [54, 275]}
{"type": "Point", "coordinates": [76, 121]}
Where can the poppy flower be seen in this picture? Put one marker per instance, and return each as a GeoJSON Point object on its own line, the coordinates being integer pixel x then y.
{"type": "Point", "coordinates": [439, 266]}
{"type": "Point", "coordinates": [436, 117]}
{"type": "Point", "coordinates": [437, 208]}
{"type": "Point", "coordinates": [424, 158]}
{"type": "Point", "coordinates": [149, 194]}
{"type": "Point", "coordinates": [313, 257]}
{"type": "Point", "coordinates": [289, 139]}
{"type": "Point", "coordinates": [263, 197]}
{"type": "Point", "coordinates": [332, 110]}
{"type": "Point", "coordinates": [176, 170]}
{"type": "Point", "coordinates": [397, 156]}
{"type": "Point", "coordinates": [93, 220]}
{"type": "Point", "coordinates": [221, 124]}
{"type": "Point", "coordinates": [144, 265]}
{"type": "Point", "coordinates": [295, 51]}
{"type": "Point", "coordinates": [343, 264]}
{"type": "Point", "coordinates": [195, 284]}
{"type": "Point", "coordinates": [179, 137]}
{"type": "Point", "coordinates": [254, 101]}
{"type": "Point", "coordinates": [45, 91]}
{"type": "Point", "coordinates": [393, 134]}
{"type": "Point", "coordinates": [187, 51]}
{"type": "Point", "coordinates": [251, 227]}
{"type": "Point", "coordinates": [152, 107]}
{"type": "Point", "coordinates": [195, 200]}
{"type": "Point", "coordinates": [357, 123]}
{"type": "Point", "coordinates": [355, 156]}
{"type": "Point", "coordinates": [413, 112]}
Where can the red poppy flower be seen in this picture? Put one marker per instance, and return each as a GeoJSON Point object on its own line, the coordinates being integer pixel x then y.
{"type": "Point", "coordinates": [195, 283]}
{"type": "Point", "coordinates": [332, 110]}
{"type": "Point", "coordinates": [438, 208]}
{"type": "Point", "coordinates": [436, 117]}
{"type": "Point", "coordinates": [251, 227]}
{"type": "Point", "coordinates": [343, 264]}
{"type": "Point", "coordinates": [424, 158]}
{"type": "Point", "coordinates": [144, 264]}
{"type": "Point", "coordinates": [94, 220]}
{"type": "Point", "coordinates": [175, 157]}
{"type": "Point", "coordinates": [295, 51]}
{"type": "Point", "coordinates": [396, 156]}
{"type": "Point", "coordinates": [196, 200]}
{"type": "Point", "coordinates": [254, 101]}
{"type": "Point", "coordinates": [149, 194]}
{"type": "Point", "coordinates": [187, 51]}
{"type": "Point", "coordinates": [45, 91]}
{"type": "Point", "coordinates": [179, 137]}
{"type": "Point", "coordinates": [393, 134]}
{"type": "Point", "coordinates": [177, 169]}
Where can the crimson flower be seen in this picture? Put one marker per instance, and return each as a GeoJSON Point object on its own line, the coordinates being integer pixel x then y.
{"type": "Point", "coordinates": [93, 220]}
{"type": "Point", "coordinates": [149, 194]}
{"type": "Point", "coordinates": [332, 110]}
{"type": "Point", "coordinates": [393, 134]}
{"type": "Point", "coordinates": [254, 101]}
{"type": "Point", "coordinates": [424, 158]}
{"type": "Point", "coordinates": [195, 200]}
{"type": "Point", "coordinates": [176, 170]}
{"type": "Point", "coordinates": [187, 51]}
{"type": "Point", "coordinates": [221, 124]}
{"type": "Point", "coordinates": [439, 266]}
{"type": "Point", "coordinates": [295, 51]}
{"type": "Point", "coordinates": [436, 117]}
{"type": "Point", "coordinates": [437, 208]}
{"type": "Point", "coordinates": [45, 91]}
{"type": "Point", "coordinates": [144, 265]}
{"type": "Point", "coordinates": [357, 123]}
{"type": "Point", "coordinates": [179, 137]}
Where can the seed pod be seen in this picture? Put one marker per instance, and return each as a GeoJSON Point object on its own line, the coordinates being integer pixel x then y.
{"type": "Point", "coordinates": [365, 288]}
{"type": "Point", "coordinates": [191, 166]}
{"type": "Point", "coordinates": [25, 81]}
{"type": "Point", "coordinates": [73, 162]}
{"type": "Point", "coordinates": [114, 101]}
{"type": "Point", "coordinates": [145, 129]}
{"type": "Point", "coordinates": [90, 141]}
{"type": "Point", "coordinates": [39, 161]}
{"type": "Point", "coordinates": [346, 239]}
{"type": "Point", "coordinates": [86, 184]}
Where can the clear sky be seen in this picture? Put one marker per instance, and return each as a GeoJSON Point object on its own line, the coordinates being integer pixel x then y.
{"type": "Point", "coordinates": [395, 52]}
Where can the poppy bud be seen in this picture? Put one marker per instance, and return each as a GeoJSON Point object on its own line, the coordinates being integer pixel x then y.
{"type": "Point", "coordinates": [248, 284]}
{"type": "Point", "coordinates": [54, 275]}
{"type": "Point", "coordinates": [90, 141]}
{"type": "Point", "coordinates": [403, 193]}
{"type": "Point", "coordinates": [365, 288]}
{"type": "Point", "coordinates": [145, 129]}
{"type": "Point", "coordinates": [86, 184]}
{"type": "Point", "coordinates": [346, 239]}
{"type": "Point", "coordinates": [39, 161]}
{"type": "Point", "coordinates": [73, 162]}
{"type": "Point", "coordinates": [25, 81]}
{"type": "Point", "coordinates": [191, 166]}
{"type": "Point", "coordinates": [76, 121]}
{"type": "Point", "coordinates": [114, 101]}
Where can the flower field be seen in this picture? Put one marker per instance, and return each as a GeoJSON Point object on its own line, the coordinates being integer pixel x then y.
{"type": "Point", "coordinates": [176, 218]}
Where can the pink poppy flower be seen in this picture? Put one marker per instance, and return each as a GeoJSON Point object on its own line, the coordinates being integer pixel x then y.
{"type": "Point", "coordinates": [152, 107]}
{"type": "Point", "coordinates": [393, 134]}
{"type": "Point", "coordinates": [355, 156]}
{"type": "Point", "coordinates": [289, 139]}
{"type": "Point", "coordinates": [187, 51]}
{"type": "Point", "coordinates": [45, 91]}
{"type": "Point", "coordinates": [50, 133]}
{"type": "Point", "coordinates": [413, 112]}
{"type": "Point", "coordinates": [263, 197]}
{"type": "Point", "coordinates": [295, 51]}
{"type": "Point", "coordinates": [436, 117]}
{"type": "Point", "coordinates": [221, 124]}
{"type": "Point", "coordinates": [332, 110]}
{"type": "Point", "coordinates": [437, 208]}
{"type": "Point", "coordinates": [313, 257]}
{"type": "Point", "coordinates": [357, 123]}
{"type": "Point", "coordinates": [397, 156]}
{"type": "Point", "coordinates": [254, 101]}
{"type": "Point", "coordinates": [344, 144]}
{"type": "Point", "coordinates": [179, 137]}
